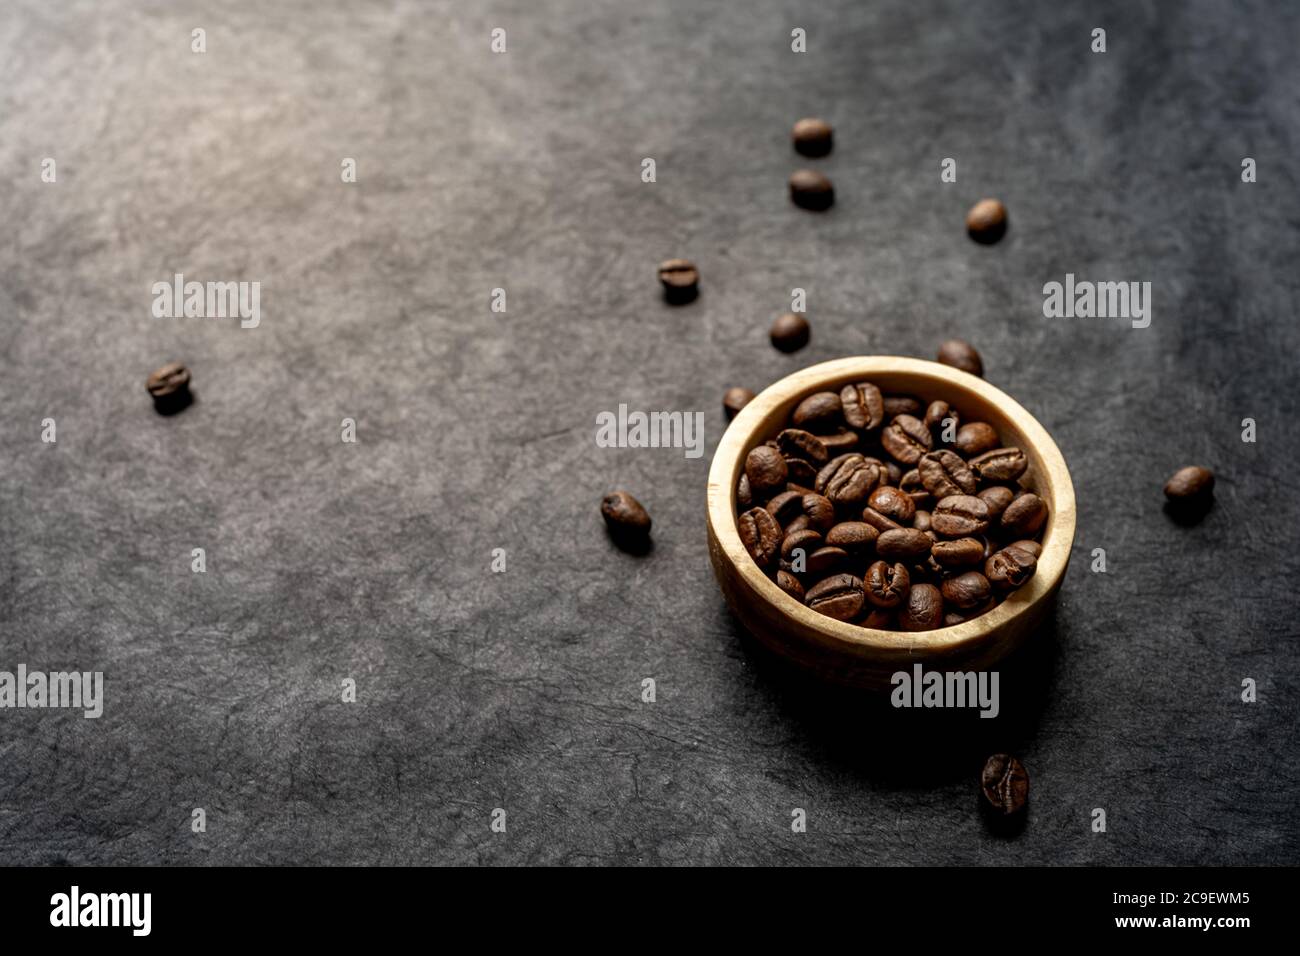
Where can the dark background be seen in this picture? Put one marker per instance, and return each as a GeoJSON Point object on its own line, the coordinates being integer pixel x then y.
{"type": "Point", "coordinates": [476, 430]}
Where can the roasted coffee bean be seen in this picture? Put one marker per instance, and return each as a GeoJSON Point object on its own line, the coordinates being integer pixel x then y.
{"type": "Point", "coordinates": [840, 596]}
{"type": "Point", "coordinates": [800, 523]}
{"type": "Point", "coordinates": [1023, 517]}
{"type": "Point", "coordinates": [975, 438]}
{"type": "Point", "coordinates": [996, 499]}
{"type": "Point", "coordinates": [1005, 784]}
{"type": "Point", "coordinates": [921, 520]}
{"type": "Point", "coordinates": [819, 511]}
{"type": "Point", "coordinates": [906, 438]}
{"type": "Point", "coordinates": [788, 583]}
{"type": "Point", "coordinates": [1192, 484]}
{"type": "Point", "coordinates": [624, 515]}
{"type": "Point", "coordinates": [879, 619]}
{"type": "Point", "coordinates": [818, 413]}
{"type": "Point", "coordinates": [987, 221]}
{"type": "Point", "coordinates": [785, 507]}
{"type": "Point", "coordinates": [790, 332]}
{"type": "Point", "coordinates": [903, 544]}
{"type": "Point", "coordinates": [734, 399]}
{"type": "Point", "coordinates": [800, 472]}
{"type": "Point", "coordinates": [943, 473]}
{"type": "Point", "coordinates": [953, 618]}
{"type": "Point", "coordinates": [864, 406]}
{"type": "Point", "coordinates": [887, 584]}
{"type": "Point", "coordinates": [797, 443]}
{"type": "Point", "coordinates": [766, 470]}
{"type": "Point", "coordinates": [961, 553]}
{"type": "Point", "coordinates": [961, 355]}
{"type": "Point", "coordinates": [910, 483]}
{"type": "Point", "coordinates": [960, 516]}
{"type": "Point", "coordinates": [744, 497]}
{"type": "Point", "coordinates": [809, 189]}
{"type": "Point", "coordinates": [812, 137]}
{"type": "Point", "coordinates": [806, 540]}
{"type": "Point", "coordinates": [760, 534]}
{"type": "Point", "coordinates": [923, 609]}
{"type": "Point", "coordinates": [169, 382]}
{"type": "Point", "coordinates": [849, 479]}
{"type": "Point", "coordinates": [840, 443]}
{"type": "Point", "coordinates": [826, 559]}
{"type": "Point", "coordinates": [855, 537]}
{"type": "Point", "coordinates": [893, 474]}
{"type": "Point", "coordinates": [680, 280]}
{"type": "Point", "coordinates": [1000, 464]}
{"type": "Point", "coordinates": [1033, 547]}
{"type": "Point", "coordinates": [967, 590]}
{"type": "Point", "coordinates": [893, 503]}
{"type": "Point", "coordinates": [896, 405]}
{"type": "Point", "coordinates": [878, 521]}
{"type": "Point", "coordinates": [1010, 568]}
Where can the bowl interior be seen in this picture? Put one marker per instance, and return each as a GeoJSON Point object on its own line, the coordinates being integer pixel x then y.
{"type": "Point", "coordinates": [976, 400]}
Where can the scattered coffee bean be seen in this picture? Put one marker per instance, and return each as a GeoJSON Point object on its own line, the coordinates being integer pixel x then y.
{"type": "Point", "coordinates": [1005, 784]}
{"type": "Point", "coordinates": [811, 190]}
{"type": "Point", "coordinates": [1190, 484]}
{"type": "Point", "coordinates": [168, 381]}
{"type": "Point", "coordinates": [626, 518]}
{"type": "Point", "coordinates": [975, 438]}
{"type": "Point", "coordinates": [987, 221]}
{"type": "Point", "coordinates": [761, 535]}
{"type": "Point", "coordinates": [790, 332]}
{"type": "Point", "coordinates": [840, 596]}
{"type": "Point", "coordinates": [680, 280]}
{"type": "Point", "coordinates": [734, 399]}
{"type": "Point", "coordinates": [923, 609]}
{"type": "Point", "coordinates": [812, 137]}
{"type": "Point", "coordinates": [961, 355]}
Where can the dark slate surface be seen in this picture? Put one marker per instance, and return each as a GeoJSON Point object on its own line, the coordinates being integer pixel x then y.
{"type": "Point", "coordinates": [371, 561]}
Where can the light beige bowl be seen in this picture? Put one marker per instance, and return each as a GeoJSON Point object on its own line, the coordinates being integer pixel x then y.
{"type": "Point", "coordinates": [847, 653]}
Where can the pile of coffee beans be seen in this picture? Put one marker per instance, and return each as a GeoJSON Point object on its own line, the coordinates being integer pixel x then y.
{"type": "Point", "coordinates": [889, 511]}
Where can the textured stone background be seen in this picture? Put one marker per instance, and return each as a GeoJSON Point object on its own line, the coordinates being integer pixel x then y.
{"type": "Point", "coordinates": [522, 690]}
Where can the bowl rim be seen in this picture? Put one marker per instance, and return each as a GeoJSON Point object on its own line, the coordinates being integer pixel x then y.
{"type": "Point", "coordinates": [728, 463]}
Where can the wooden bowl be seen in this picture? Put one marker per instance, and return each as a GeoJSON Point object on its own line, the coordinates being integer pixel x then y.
{"type": "Point", "coordinates": [865, 657]}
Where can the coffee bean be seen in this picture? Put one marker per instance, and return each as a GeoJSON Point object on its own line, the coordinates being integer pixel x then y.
{"type": "Point", "coordinates": [893, 503]}
{"type": "Point", "coordinates": [806, 540]}
{"type": "Point", "coordinates": [896, 405]}
{"type": "Point", "coordinates": [923, 610]}
{"type": "Point", "coordinates": [903, 544]}
{"type": "Point", "coordinates": [624, 516]}
{"type": "Point", "coordinates": [849, 479]}
{"type": "Point", "coordinates": [960, 516]}
{"type": "Point", "coordinates": [766, 470]}
{"type": "Point", "coordinates": [840, 596]}
{"type": "Point", "coordinates": [744, 497]}
{"type": "Point", "coordinates": [878, 521]}
{"type": "Point", "coordinates": [1010, 568]}
{"type": "Point", "coordinates": [943, 473]}
{"type": "Point", "coordinates": [1005, 784]}
{"type": "Point", "coordinates": [1033, 547]}
{"type": "Point", "coordinates": [797, 443]}
{"type": "Point", "coordinates": [961, 355]}
{"type": "Point", "coordinates": [790, 332]}
{"type": "Point", "coordinates": [987, 221]}
{"type": "Point", "coordinates": [818, 413]}
{"type": "Point", "coordinates": [996, 498]}
{"type": "Point", "coordinates": [168, 382]}
{"type": "Point", "coordinates": [906, 438]}
{"type": "Point", "coordinates": [887, 584]}
{"type": "Point", "coordinates": [818, 511]}
{"type": "Point", "coordinates": [680, 280]}
{"type": "Point", "coordinates": [966, 590]}
{"type": "Point", "coordinates": [1192, 484]}
{"type": "Point", "coordinates": [921, 520]}
{"type": "Point", "coordinates": [760, 534]}
{"type": "Point", "coordinates": [788, 583]}
{"type": "Point", "coordinates": [975, 438]}
{"type": "Point", "coordinates": [800, 472]}
{"type": "Point", "coordinates": [1023, 517]}
{"type": "Point", "coordinates": [864, 406]}
{"type": "Point", "coordinates": [734, 399]}
{"type": "Point", "coordinates": [855, 537]}
{"type": "Point", "coordinates": [826, 559]}
{"type": "Point", "coordinates": [960, 553]}
{"type": "Point", "coordinates": [785, 507]}
{"type": "Point", "coordinates": [812, 137]}
{"type": "Point", "coordinates": [1000, 464]}
{"type": "Point", "coordinates": [941, 418]}
{"type": "Point", "coordinates": [910, 483]}
{"type": "Point", "coordinates": [879, 619]}
{"type": "Point", "coordinates": [811, 190]}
